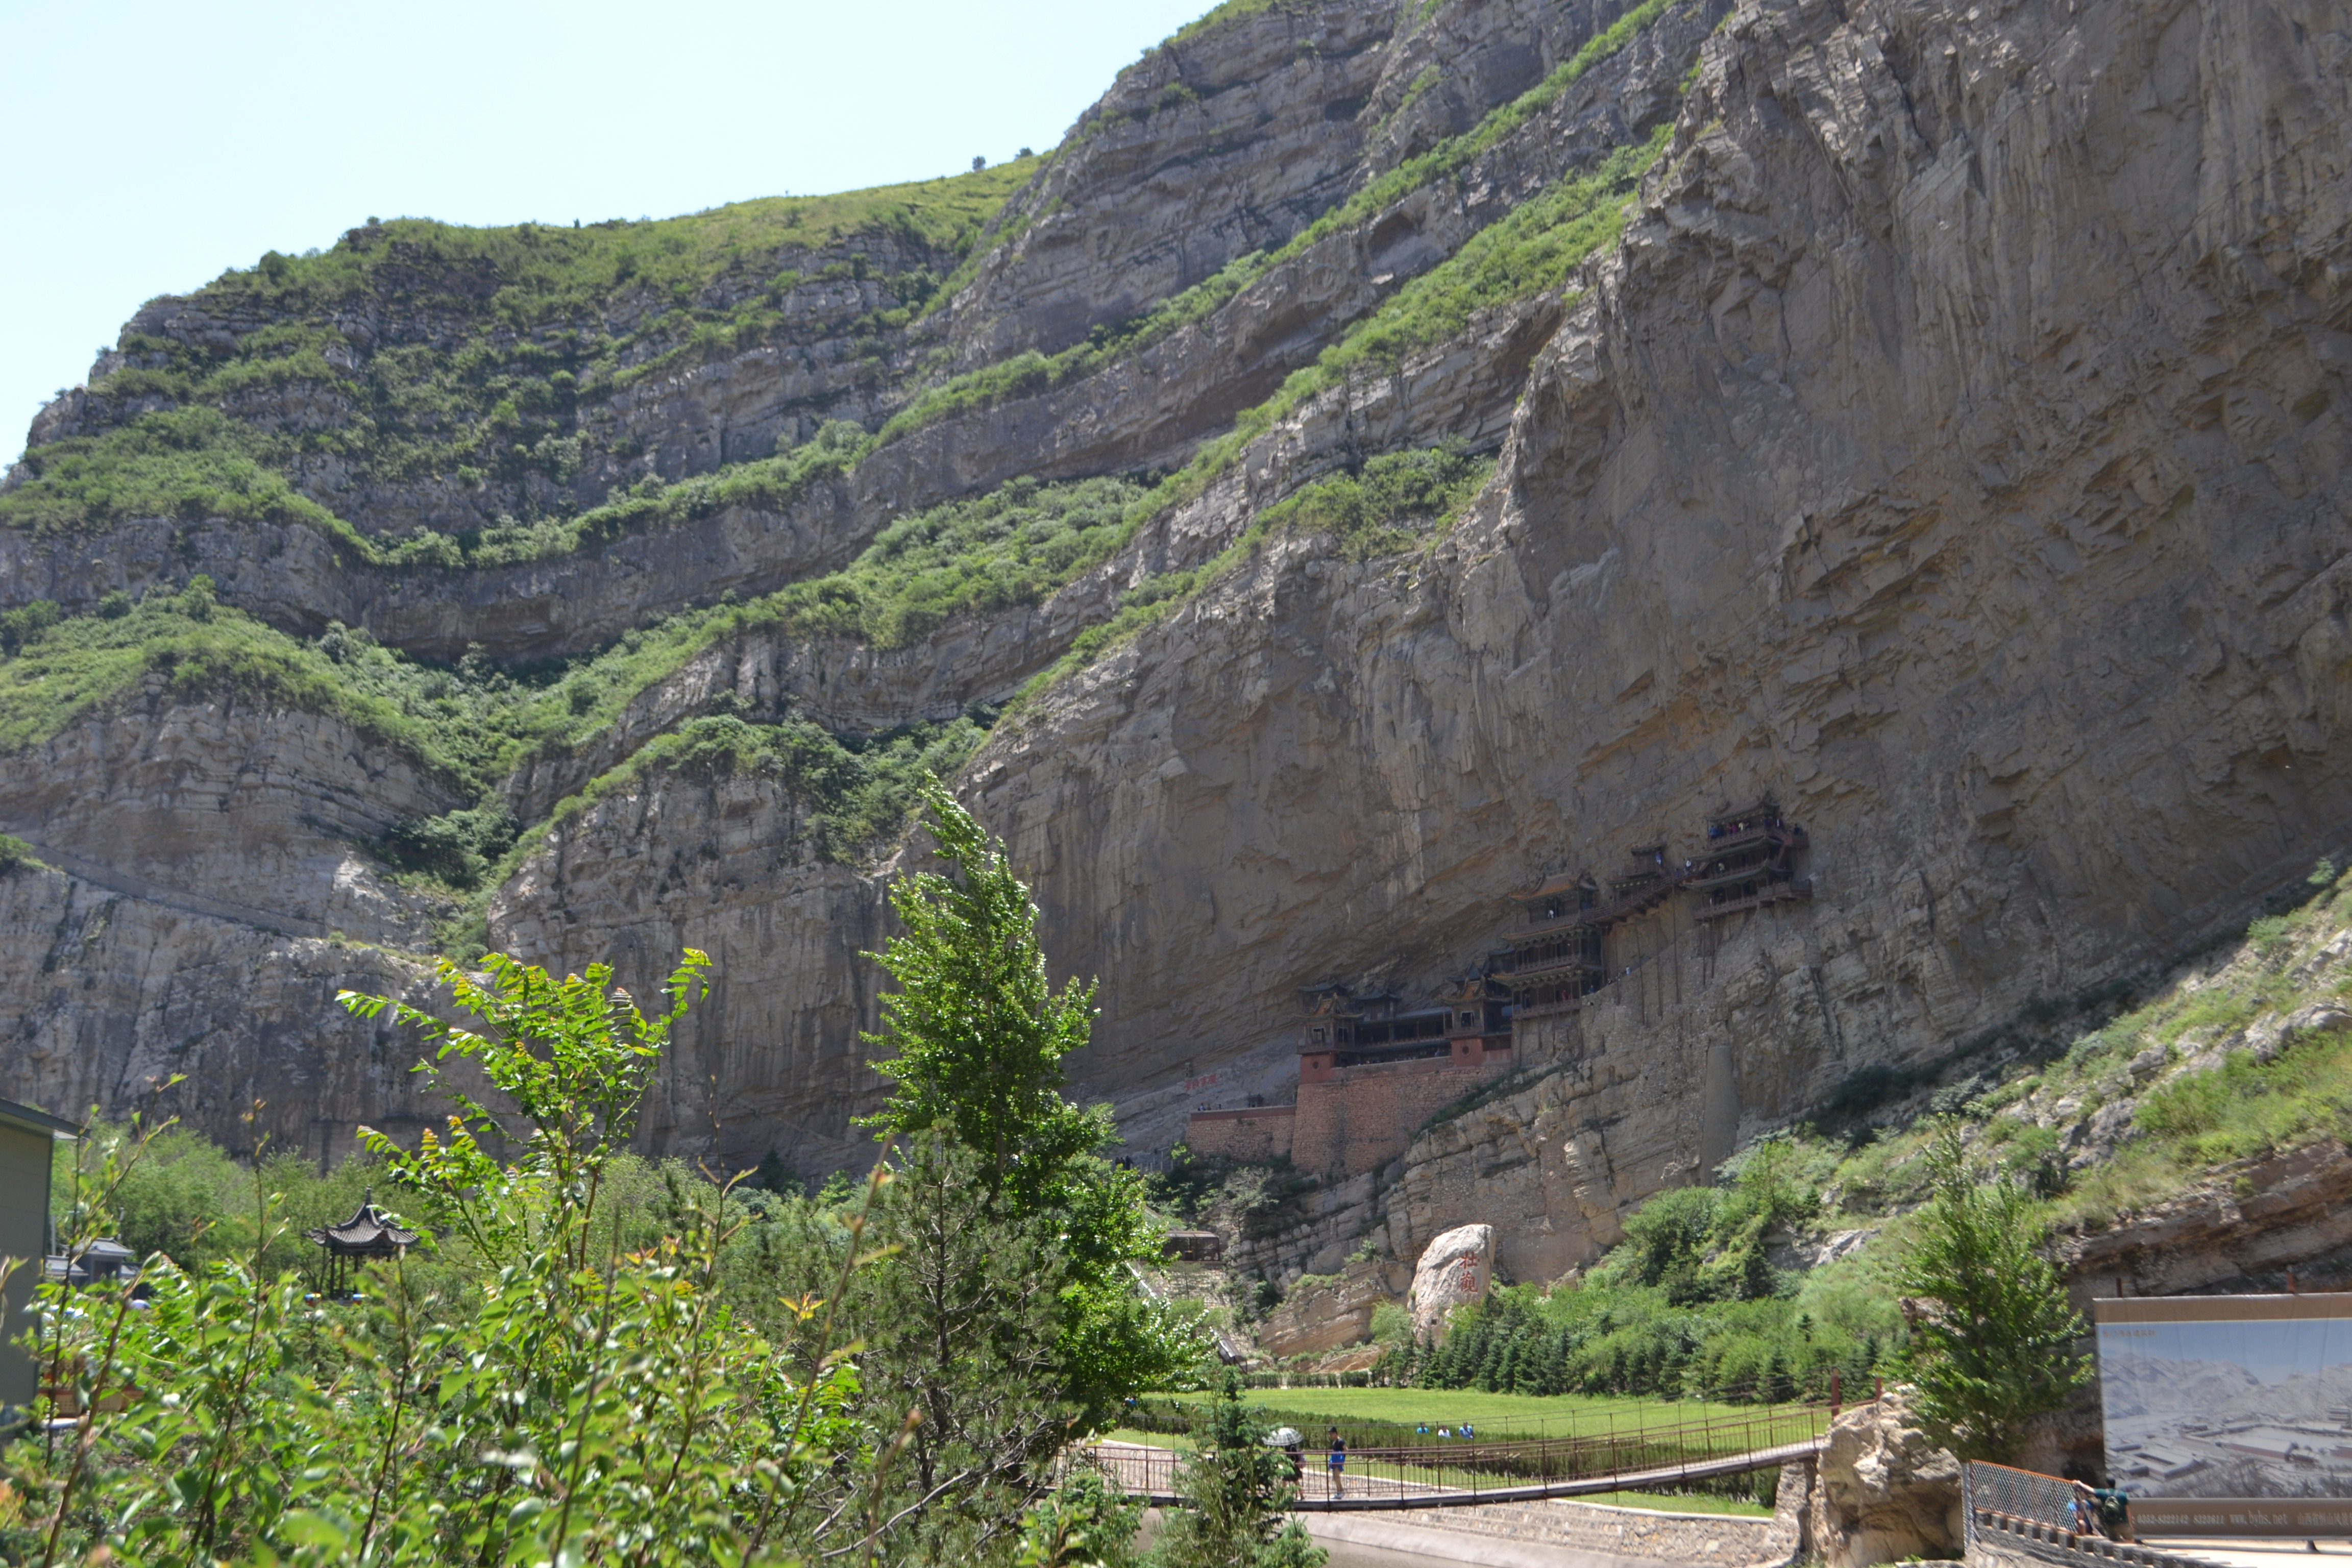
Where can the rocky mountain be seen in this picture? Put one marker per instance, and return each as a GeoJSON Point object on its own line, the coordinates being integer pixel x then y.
{"type": "Point", "coordinates": [1391, 452]}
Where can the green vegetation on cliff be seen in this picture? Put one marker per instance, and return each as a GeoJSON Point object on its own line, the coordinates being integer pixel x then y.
{"type": "Point", "coordinates": [1011, 547]}
{"type": "Point", "coordinates": [553, 320]}
{"type": "Point", "coordinates": [860, 788]}
{"type": "Point", "coordinates": [546, 320]}
{"type": "Point", "coordinates": [1545, 239]}
{"type": "Point", "coordinates": [2232, 1057]}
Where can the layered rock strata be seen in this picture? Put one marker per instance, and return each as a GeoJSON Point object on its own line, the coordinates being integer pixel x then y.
{"type": "Point", "coordinates": [1952, 447]}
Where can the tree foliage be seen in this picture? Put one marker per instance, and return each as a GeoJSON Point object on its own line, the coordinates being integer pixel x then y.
{"type": "Point", "coordinates": [572, 1400]}
{"type": "Point", "coordinates": [1996, 1345]}
{"type": "Point", "coordinates": [978, 1032]}
{"type": "Point", "coordinates": [1235, 1489]}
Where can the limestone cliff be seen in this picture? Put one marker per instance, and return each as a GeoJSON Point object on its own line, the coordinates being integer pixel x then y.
{"type": "Point", "coordinates": [1951, 445]}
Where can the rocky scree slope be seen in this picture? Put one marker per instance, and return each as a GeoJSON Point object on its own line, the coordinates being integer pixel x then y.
{"type": "Point", "coordinates": [1950, 444]}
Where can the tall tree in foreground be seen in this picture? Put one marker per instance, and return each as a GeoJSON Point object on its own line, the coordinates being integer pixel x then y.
{"type": "Point", "coordinates": [1996, 1346]}
{"type": "Point", "coordinates": [979, 1031]}
{"type": "Point", "coordinates": [978, 1036]}
{"type": "Point", "coordinates": [1007, 1313]}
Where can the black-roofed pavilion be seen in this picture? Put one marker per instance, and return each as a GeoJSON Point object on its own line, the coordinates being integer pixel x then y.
{"type": "Point", "coordinates": [369, 1233]}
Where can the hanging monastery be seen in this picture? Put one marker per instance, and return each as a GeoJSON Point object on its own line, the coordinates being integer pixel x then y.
{"type": "Point", "coordinates": [1374, 1067]}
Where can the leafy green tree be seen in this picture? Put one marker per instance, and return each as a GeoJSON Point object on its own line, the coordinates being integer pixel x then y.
{"type": "Point", "coordinates": [979, 1031]}
{"type": "Point", "coordinates": [1235, 1489]}
{"type": "Point", "coordinates": [979, 1034]}
{"type": "Point", "coordinates": [1996, 1344]}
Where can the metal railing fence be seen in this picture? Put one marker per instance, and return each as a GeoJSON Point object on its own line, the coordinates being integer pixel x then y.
{"type": "Point", "coordinates": [1440, 1475]}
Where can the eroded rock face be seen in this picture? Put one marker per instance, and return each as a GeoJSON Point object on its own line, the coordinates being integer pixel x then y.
{"type": "Point", "coordinates": [759, 1064]}
{"type": "Point", "coordinates": [110, 995]}
{"type": "Point", "coordinates": [235, 805]}
{"type": "Point", "coordinates": [1456, 1270]}
{"type": "Point", "coordinates": [1825, 490]}
{"type": "Point", "coordinates": [1886, 1493]}
{"type": "Point", "coordinates": [1337, 1314]}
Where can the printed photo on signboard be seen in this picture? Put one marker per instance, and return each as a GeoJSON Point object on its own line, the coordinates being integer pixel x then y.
{"type": "Point", "coordinates": [2245, 1405]}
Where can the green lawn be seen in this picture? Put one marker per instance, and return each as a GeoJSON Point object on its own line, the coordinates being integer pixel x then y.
{"type": "Point", "coordinates": [1494, 1414]}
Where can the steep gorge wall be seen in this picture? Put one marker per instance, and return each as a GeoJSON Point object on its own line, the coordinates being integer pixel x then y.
{"type": "Point", "coordinates": [1954, 447]}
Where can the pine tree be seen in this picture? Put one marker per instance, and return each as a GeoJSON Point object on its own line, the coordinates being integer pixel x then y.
{"type": "Point", "coordinates": [1996, 1347]}
{"type": "Point", "coordinates": [1235, 1488]}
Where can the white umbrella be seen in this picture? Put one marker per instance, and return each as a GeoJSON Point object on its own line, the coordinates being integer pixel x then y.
{"type": "Point", "coordinates": [1283, 1437]}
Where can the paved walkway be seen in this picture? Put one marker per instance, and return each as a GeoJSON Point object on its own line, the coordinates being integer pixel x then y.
{"type": "Point", "coordinates": [2269, 1551]}
{"type": "Point", "coordinates": [1356, 1541]}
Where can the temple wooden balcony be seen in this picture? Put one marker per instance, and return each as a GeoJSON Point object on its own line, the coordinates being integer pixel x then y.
{"type": "Point", "coordinates": [1773, 834]}
{"type": "Point", "coordinates": [1714, 874]}
{"type": "Point", "coordinates": [1771, 893]}
{"type": "Point", "coordinates": [1557, 926]}
{"type": "Point", "coordinates": [1601, 916]}
{"type": "Point", "coordinates": [1518, 970]}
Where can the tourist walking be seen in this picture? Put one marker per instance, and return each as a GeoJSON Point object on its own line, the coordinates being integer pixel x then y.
{"type": "Point", "coordinates": [1338, 1463]}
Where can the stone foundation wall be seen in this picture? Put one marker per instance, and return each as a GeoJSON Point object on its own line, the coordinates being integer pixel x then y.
{"type": "Point", "coordinates": [1256, 1136]}
{"type": "Point", "coordinates": [1364, 1117]}
{"type": "Point", "coordinates": [1606, 1534]}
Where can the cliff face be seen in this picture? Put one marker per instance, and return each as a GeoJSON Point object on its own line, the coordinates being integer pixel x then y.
{"type": "Point", "coordinates": [1856, 479]}
{"type": "Point", "coordinates": [1951, 446]}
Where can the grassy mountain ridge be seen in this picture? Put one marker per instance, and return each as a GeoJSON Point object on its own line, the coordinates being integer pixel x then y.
{"type": "Point", "coordinates": [470, 354]}
{"type": "Point", "coordinates": [560, 322]}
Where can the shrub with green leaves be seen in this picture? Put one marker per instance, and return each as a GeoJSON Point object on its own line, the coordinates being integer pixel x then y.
{"type": "Point", "coordinates": [577, 1402]}
{"type": "Point", "coordinates": [1388, 504]}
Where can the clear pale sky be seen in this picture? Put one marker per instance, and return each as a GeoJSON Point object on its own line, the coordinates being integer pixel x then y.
{"type": "Point", "coordinates": [146, 147]}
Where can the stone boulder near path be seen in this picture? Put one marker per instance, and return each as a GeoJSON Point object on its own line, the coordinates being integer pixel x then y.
{"type": "Point", "coordinates": [1888, 1491]}
{"type": "Point", "coordinates": [1454, 1270]}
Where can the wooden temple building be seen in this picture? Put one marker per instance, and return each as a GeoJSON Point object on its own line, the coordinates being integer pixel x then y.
{"type": "Point", "coordinates": [1373, 1068]}
{"type": "Point", "coordinates": [1749, 860]}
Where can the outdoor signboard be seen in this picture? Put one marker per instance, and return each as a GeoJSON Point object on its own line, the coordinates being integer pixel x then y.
{"type": "Point", "coordinates": [2230, 1415]}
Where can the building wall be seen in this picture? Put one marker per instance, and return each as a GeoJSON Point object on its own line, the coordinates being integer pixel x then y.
{"type": "Point", "coordinates": [1354, 1120]}
{"type": "Point", "coordinates": [24, 1236]}
{"type": "Point", "coordinates": [1256, 1136]}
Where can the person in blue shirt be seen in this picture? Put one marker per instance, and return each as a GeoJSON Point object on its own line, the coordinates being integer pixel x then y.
{"type": "Point", "coordinates": [1337, 1462]}
{"type": "Point", "coordinates": [1469, 1432]}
